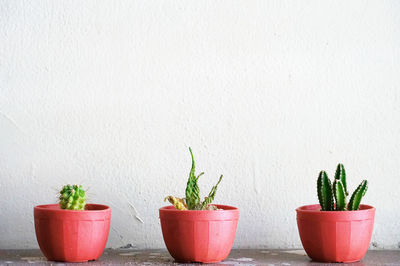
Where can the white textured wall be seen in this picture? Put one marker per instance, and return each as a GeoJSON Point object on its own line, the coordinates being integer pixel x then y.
{"type": "Point", "coordinates": [110, 94]}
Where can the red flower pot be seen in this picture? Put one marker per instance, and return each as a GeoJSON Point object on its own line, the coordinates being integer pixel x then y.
{"type": "Point", "coordinates": [199, 236]}
{"type": "Point", "coordinates": [335, 236]}
{"type": "Point", "coordinates": [72, 236]}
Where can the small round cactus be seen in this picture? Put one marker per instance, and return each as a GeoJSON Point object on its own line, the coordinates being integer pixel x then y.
{"type": "Point", "coordinates": [72, 197]}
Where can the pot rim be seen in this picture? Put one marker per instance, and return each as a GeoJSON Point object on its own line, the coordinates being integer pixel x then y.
{"type": "Point", "coordinates": [315, 208]}
{"type": "Point", "coordinates": [45, 208]}
{"type": "Point", "coordinates": [314, 213]}
{"type": "Point", "coordinates": [225, 208]}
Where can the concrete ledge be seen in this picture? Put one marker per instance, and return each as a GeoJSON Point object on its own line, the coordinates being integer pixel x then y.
{"type": "Point", "coordinates": [161, 257]}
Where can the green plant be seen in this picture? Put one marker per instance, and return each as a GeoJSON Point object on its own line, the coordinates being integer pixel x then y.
{"type": "Point", "coordinates": [192, 200]}
{"type": "Point", "coordinates": [72, 197]}
{"type": "Point", "coordinates": [329, 194]}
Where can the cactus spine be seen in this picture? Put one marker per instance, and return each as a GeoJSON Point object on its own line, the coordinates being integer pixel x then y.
{"type": "Point", "coordinates": [328, 193]}
{"type": "Point", "coordinates": [72, 197]}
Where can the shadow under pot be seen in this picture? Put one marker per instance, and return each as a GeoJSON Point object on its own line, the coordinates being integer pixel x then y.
{"type": "Point", "coordinates": [72, 236]}
{"type": "Point", "coordinates": [199, 236]}
{"type": "Point", "coordinates": [335, 236]}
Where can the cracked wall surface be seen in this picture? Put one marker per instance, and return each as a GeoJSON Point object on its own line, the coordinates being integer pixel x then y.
{"type": "Point", "coordinates": [111, 94]}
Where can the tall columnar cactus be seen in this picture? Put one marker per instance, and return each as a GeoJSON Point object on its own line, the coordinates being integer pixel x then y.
{"type": "Point", "coordinates": [328, 192]}
{"type": "Point", "coordinates": [192, 200]}
{"type": "Point", "coordinates": [325, 195]}
{"type": "Point", "coordinates": [340, 174]}
{"type": "Point", "coordinates": [72, 197]}
{"type": "Point", "coordinates": [340, 195]}
{"type": "Point", "coordinates": [355, 199]}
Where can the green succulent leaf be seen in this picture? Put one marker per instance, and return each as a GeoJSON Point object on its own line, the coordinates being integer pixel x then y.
{"type": "Point", "coordinates": [355, 199]}
{"type": "Point", "coordinates": [202, 173]}
{"type": "Point", "coordinates": [192, 188]}
{"type": "Point", "coordinates": [325, 194]}
{"type": "Point", "coordinates": [208, 200]}
{"type": "Point", "coordinates": [341, 175]}
{"type": "Point", "coordinates": [340, 195]}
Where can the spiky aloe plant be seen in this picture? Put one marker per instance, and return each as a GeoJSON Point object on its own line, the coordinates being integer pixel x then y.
{"type": "Point", "coordinates": [192, 189]}
{"type": "Point", "coordinates": [329, 193]}
{"type": "Point", "coordinates": [192, 200]}
{"type": "Point", "coordinates": [72, 197]}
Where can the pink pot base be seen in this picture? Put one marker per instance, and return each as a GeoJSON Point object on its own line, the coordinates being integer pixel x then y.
{"type": "Point", "coordinates": [72, 236]}
{"type": "Point", "coordinates": [199, 236]}
{"type": "Point", "coordinates": [335, 236]}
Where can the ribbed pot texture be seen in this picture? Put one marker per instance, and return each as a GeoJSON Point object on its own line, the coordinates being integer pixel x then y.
{"type": "Point", "coordinates": [199, 236]}
{"type": "Point", "coordinates": [72, 236]}
{"type": "Point", "coordinates": [335, 236]}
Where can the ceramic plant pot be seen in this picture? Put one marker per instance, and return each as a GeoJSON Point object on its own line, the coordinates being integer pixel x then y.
{"type": "Point", "coordinates": [72, 236]}
{"type": "Point", "coordinates": [335, 236]}
{"type": "Point", "coordinates": [199, 236]}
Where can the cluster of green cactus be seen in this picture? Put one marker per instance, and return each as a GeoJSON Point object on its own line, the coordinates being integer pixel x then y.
{"type": "Point", "coordinates": [329, 194]}
{"type": "Point", "coordinates": [192, 200]}
{"type": "Point", "coordinates": [72, 197]}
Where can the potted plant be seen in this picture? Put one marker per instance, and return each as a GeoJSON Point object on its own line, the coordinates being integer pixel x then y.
{"type": "Point", "coordinates": [72, 230]}
{"type": "Point", "coordinates": [334, 230]}
{"type": "Point", "coordinates": [195, 230]}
